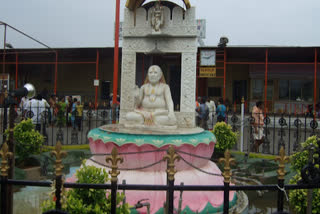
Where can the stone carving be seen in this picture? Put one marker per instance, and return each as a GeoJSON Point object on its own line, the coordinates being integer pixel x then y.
{"type": "Point", "coordinates": [157, 17]}
{"type": "Point", "coordinates": [153, 103]}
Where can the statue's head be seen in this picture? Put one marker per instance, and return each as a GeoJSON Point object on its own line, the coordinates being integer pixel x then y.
{"type": "Point", "coordinates": [155, 75]}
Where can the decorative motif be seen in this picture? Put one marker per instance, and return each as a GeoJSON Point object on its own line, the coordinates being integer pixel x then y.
{"type": "Point", "coordinates": [227, 160]}
{"type": "Point", "coordinates": [157, 17]}
{"type": "Point", "coordinates": [297, 134]}
{"type": "Point", "coordinates": [281, 132]}
{"type": "Point", "coordinates": [282, 121]}
{"type": "Point", "coordinates": [266, 120]}
{"type": "Point", "coordinates": [313, 126]}
{"type": "Point", "coordinates": [171, 157]}
{"type": "Point", "coordinates": [5, 154]}
{"type": "Point", "coordinates": [104, 114]}
{"type": "Point", "coordinates": [114, 159]}
{"type": "Point", "coordinates": [282, 160]}
{"type": "Point", "coordinates": [266, 142]}
{"type": "Point", "coordinates": [234, 120]}
{"type": "Point", "coordinates": [59, 154]}
{"type": "Point", "coordinates": [297, 123]}
{"type": "Point", "coordinates": [29, 114]}
{"type": "Point", "coordinates": [90, 114]}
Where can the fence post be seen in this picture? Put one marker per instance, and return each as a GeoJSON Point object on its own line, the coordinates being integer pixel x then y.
{"type": "Point", "coordinates": [282, 158]}
{"type": "Point", "coordinates": [5, 156]}
{"type": "Point", "coordinates": [227, 160]}
{"type": "Point", "coordinates": [59, 154]}
{"type": "Point", "coordinates": [242, 124]}
{"type": "Point", "coordinates": [171, 157]}
{"type": "Point", "coordinates": [114, 159]}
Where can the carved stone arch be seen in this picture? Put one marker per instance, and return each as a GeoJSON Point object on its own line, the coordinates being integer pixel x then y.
{"type": "Point", "coordinates": [133, 4]}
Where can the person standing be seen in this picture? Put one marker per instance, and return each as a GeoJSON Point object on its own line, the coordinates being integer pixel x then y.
{"type": "Point", "coordinates": [212, 109]}
{"type": "Point", "coordinates": [258, 134]}
{"type": "Point", "coordinates": [203, 114]}
{"type": "Point", "coordinates": [69, 103]}
{"type": "Point", "coordinates": [38, 106]}
{"type": "Point", "coordinates": [221, 111]}
{"type": "Point", "coordinates": [79, 113]}
{"type": "Point", "coordinates": [73, 112]}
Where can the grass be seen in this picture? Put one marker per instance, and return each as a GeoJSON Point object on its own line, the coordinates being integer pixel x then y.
{"type": "Point", "coordinates": [67, 147]}
{"type": "Point", "coordinates": [256, 155]}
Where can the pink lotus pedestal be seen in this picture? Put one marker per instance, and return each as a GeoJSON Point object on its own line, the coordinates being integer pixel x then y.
{"type": "Point", "coordinates": [149, 147]}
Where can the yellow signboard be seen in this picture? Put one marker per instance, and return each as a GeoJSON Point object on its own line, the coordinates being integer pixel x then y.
{"type": "Point", "coordinates": [207, 72]}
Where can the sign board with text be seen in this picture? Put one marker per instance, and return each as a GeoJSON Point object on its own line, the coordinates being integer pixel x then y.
{"type": "Point", "coordinates": [207, 72]}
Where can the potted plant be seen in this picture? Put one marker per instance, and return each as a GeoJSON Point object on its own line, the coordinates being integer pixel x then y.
{"type": "Point", "coordinates": [226, 138]}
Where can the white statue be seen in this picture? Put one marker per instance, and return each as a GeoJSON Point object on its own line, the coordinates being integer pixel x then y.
{"type": "Point", "coordinates": [157, 20]}
{"type": "Point", "coordinates": [154, 105]}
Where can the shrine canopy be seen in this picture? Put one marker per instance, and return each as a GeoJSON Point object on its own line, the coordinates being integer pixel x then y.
{"type": "Point", "coordinates": [133, 4]}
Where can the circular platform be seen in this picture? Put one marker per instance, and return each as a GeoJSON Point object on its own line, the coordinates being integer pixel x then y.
{"type": "Point", "coordinates": [149, 130]}
{"type": "Point", "coordinates": [121, 135]}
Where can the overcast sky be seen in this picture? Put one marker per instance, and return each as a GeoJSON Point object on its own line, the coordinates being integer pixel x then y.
{"type": "Point", "coordinates": [89, 23]}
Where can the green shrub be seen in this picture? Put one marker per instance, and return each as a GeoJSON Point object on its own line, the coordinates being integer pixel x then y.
{"type": "Point", "coordinates": [226, 138]}
{"type": "Point", "coordinates": [298, 198]}
{"type": "Point", "coordinates": [89, 201]}
{"type": "Point", "coordinates": [28, 140]}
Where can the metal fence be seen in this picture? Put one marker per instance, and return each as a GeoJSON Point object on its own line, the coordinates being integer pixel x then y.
{"type": "Point", "coordinates": [287, 130]}
{"type": "Point", "coordinates": [67, 127]}
{"type": "Point", "coordinates": [172, 156]}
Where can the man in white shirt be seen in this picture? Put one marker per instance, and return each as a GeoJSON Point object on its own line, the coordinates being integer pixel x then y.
{"type": "Point", "coordinates": [38, 106]}
{"type": "Point", "coordinates": [212, 110]}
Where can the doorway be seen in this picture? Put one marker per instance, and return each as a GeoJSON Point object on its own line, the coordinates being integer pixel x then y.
{"type": "Point", "coordinates": [239, 90]}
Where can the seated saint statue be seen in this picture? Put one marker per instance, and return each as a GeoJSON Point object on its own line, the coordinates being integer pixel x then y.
{"type": "Point", "coordinates": [154, 105]}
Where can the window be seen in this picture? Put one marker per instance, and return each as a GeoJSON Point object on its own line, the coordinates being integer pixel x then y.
{"type": "Point", "coordinates": [283, 89]}
{"type": "Point", "coordinates": [296, 90]}
{"type": "Point", "coordinates": [257, 89]}
{"type": "Point", "coordinates": [257, 92]}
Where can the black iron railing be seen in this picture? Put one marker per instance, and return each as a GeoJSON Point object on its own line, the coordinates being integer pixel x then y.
{"type": "Point", "coordinates": [172, 155]}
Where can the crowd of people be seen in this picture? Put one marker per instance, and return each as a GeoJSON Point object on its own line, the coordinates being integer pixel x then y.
{"type": "Point", "coordinates": [62, 111]}
{"type": "Point", "coordinates": [206, 110]}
